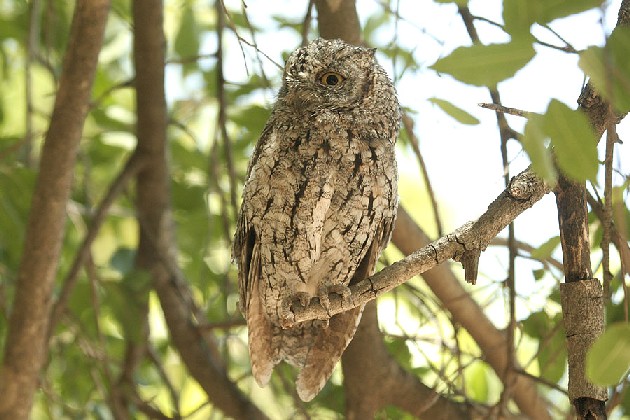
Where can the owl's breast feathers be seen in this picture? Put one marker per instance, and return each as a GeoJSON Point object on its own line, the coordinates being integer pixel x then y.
{"type": "Point", "coordinates": [315, 202]}
{"type": "Point", "coordinates": [317, 209]}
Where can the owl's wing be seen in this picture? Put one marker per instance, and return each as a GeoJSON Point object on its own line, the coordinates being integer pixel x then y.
{"type": "Point", "coordinates": [244, 248]}
{"type": "Point", "coordinates": [332, 341]}
{"type": "Point", "coordinates": [246, 253]}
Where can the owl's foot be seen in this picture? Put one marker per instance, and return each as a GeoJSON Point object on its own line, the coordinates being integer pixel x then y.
{"type": "Point", "coordinates": [338, 289]}
{"type": "Point", "coordinates": [286, 316]}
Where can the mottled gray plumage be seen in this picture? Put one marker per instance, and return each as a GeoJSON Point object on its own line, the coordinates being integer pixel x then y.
{"type": "Point", "coordinates": [318, 206]}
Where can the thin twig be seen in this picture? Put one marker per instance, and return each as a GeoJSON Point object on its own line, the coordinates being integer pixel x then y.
{"type": "Point", "coordinates": [498, 241]}
{"type": "Point", "coordinates": [96, 305]}
{"type": "Point", "coordinates": [252, 34]}
{"type": "Point", "coordinates": [172, 392]}
{"type": "Point", "coordinates": [568, 47]}
{"type": "Point", "coordinates": [258, 50]}
{"type": "Point", "coordinates": [506, 110]}
{"type": "Point", "coordinates": [191, 58]}
{"type": "Point", "coordinates": [611, 135]}
{"type": "Point", "coordinates": [505, 133]}
{"type": "Point", "coordinates": [213, 181]}
{"type": "Point", "coordinates": [122, 85]}
{"type": "Point", "coordinates": [306, 22]}
{"type": "Point", "coordinates": [222, 114]}
{"type": "Point", "coordinates": [542, 380]}
{"type": "Point", "coordinates": [133, 165]}
{"type": "Point", "coordinates": [222, 11]}
{"type": "Point", "coordinates": [619, 239]}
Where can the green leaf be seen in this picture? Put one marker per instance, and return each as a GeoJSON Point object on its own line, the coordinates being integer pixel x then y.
{"type": "Point", "coordinates": [552, 353]}
{"type": "Point", "coordinates": [608, 361]}
{"type": "Point", "coordinates": [544, 251]}
{"type": "Point", "coordinates": [518, 15]}
{"type": "Point", "coordinates": [609, 68]}
{"type": "Point", "coordinates": [123, 260]}
{"type": "Point", "coordinates": [486, 65]}
{"type": "Point", "coordinates": [128, 299]}
{"type": "Point", "coordinates": [574, 143]}
{"type": "Point", "coordinates": [477, 381]}
{"type": "Point", "coordinates": [187, 38]}
{"type": "Point", "coordinates": [398, 348]}
{"type": "Point", "coordinates": [455, 112]}
{"type": "Point", "coordinates": [554, 9]}
{"type": "Point", "coordinates": [534, 142]}
{"type": "Point", "coordinates": [539, 273]}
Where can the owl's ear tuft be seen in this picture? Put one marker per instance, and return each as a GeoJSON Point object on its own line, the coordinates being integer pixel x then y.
{"type": "Point", "coordinates": [372, 51]}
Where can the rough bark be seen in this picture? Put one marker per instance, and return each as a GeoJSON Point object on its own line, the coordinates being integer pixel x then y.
{"type": "Point", "coordinates": [582, 297]}
{"type": "Point", "coordinates": [26, 344]}
{"type": "Point", "coordinates": [338, 19]}
{"type": "Point", "coordinates": [156, 248]}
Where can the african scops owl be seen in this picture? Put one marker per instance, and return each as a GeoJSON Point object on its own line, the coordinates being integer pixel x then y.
{"type": "Point", "coordinates": [319, 205]}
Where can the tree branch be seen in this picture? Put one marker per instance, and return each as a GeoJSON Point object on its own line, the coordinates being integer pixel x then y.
{"type": "Point", "coordinates": [471, 238]}
{"type": "Point", "coordinates": [26, 345]}
{"type": "Point", "coordinates": [338, 19]}
{"type": "Point", "coordinates": [582, 295]}
{"type": "Point", "coordinates": [386, 383]}
{"type": "Point", "coordinates": [156, 250]}
{"type": "Point", "coordinates": [132, 166]}
{"type": "Point", "coordinates": [408, 237]}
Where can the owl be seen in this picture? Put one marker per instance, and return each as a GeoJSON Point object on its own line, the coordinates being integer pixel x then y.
{"type": "Point", "coordinates": [319, 204]}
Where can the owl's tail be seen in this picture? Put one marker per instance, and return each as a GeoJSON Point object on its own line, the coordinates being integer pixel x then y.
{"type": "Point", "coordinates": [326, 352]}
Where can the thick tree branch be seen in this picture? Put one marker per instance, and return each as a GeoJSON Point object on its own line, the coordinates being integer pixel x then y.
{"type": "Point", "coordinates": [156, 250]}
{"type": "Point", "coordinates": [369, 370]}
{"type": "Point", "coordinates": [26, 343]}
{"type": "Point", "coordinates": [582, 296]}
{"type": "Point", "coordinates": [338, 19]}
{"type": "Point", "coordinates": [524, 190]}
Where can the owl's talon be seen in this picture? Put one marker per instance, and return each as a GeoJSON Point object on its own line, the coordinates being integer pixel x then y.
{"type": "Point", "coordinates": [286, 316]}
{"type": "Point", "coordinates": [339, 289]}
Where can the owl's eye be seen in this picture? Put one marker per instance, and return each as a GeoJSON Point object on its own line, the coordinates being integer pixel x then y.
{"type": "Point", "coordinates": [331, 78]}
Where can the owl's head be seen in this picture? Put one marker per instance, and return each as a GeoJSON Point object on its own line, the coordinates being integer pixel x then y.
{"type": "Point", "coordinates": [328, 74]}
